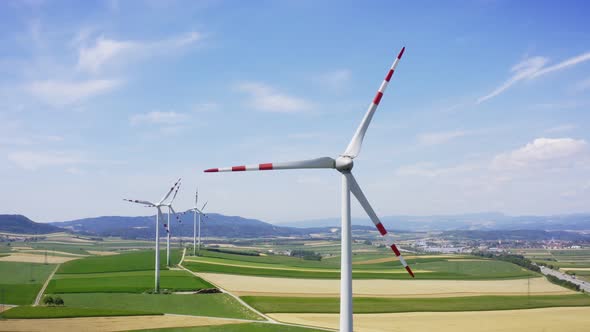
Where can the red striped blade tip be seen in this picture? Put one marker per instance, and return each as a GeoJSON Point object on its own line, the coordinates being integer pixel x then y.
{"type": "Point", "coordinates": [399, 56]}
{"type": "Point", "coordinates": [410, 271]}
{"type": "Point", "coordinates": [210, 170]}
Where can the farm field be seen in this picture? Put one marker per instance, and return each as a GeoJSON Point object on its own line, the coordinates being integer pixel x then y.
{"type": "Point", "coordinates": [20, 282]}
{"type": "Point", "coordinates": [214, 305]}
{"type": "Point", "coordinates": [248, 327]}
{"type": "Point", "coordinates": [28, 312]}
{"type": "Point", "coordinates": [462, 268]}
{"type": "Point", "coordinates": [532, 320]}
{"type": "Point", "coordinates": [124, 282]}
{"type": "Point", "coordinates": [129, 261]}
{"type": "Point", "coordinates": [268, 286]}
{"type": "Point", "coordinates": [267, 304]}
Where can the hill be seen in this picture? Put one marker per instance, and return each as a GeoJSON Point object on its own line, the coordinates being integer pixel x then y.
{"type": "Point", "coordinates": [19, 224]}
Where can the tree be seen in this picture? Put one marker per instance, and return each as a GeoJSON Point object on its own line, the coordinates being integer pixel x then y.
{"type": "Point", "coordinates": [48, 300]}
{"type": "Point", "coordinates": [58, 300]}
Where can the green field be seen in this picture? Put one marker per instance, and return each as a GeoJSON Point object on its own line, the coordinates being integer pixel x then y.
{"type": "Point", "coordinates": [248, 327]}
{"type": "Point", "coordinates": [269, 304]}
{"type": "Point", "coordinates": [124, 282]}
{"type": "Point", "coordinates": [215, 305]}
{"type": "Point", "coordinates": [28, 312]}
{"type": "Point", "coordinates": [291, 267]}
{"type": "Point", "coordinates": [129, 261]}
{"type": "Point", "coordinates": [20, 282]}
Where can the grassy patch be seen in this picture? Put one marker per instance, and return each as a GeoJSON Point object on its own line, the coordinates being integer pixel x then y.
{"type": "Point", "coordinates": [28, 312]}
{"type": "Point", "coordinates": [215, 305]}
{"type": "Point", "coordinates": [388, 305]}
{"type": "Point", "coordinates": [249, 327]}
{"type": "Point", "coordinates": [20, 282]}
{"type": "Point", "coordinates": [132, 261]}
{"type": "Point", "coordinates": [125, 282]}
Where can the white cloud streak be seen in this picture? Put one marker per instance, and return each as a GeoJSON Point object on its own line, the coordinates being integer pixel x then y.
{"type": "Point", "coordinates": [266, 98]}
{"type": "Point", "coordinates": [64, 93]}
{"type": "Point", "coordinates": [532, 68]}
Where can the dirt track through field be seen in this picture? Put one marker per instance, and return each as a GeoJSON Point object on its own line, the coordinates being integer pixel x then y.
{"type": "Point", "coordinates": [575, 319]}
{"type": "Point", "coordinates": [107, 324]}
{"type": "Point", "coordinates": [265, 286]}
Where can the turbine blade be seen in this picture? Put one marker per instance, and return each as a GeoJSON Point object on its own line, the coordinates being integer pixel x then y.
{"type": "Point", "coordinates": [358, 193]}
{"type": "Point", "coordinates": [203, 208]}
{"type": "Point", "coordinates": [170, 191]}
{"type": "Point", "coordinates": [354, 147]}
{"type": "Point", "coordinates": [175, 193]}
{"type": "Point", "coordinates": [139, 202]}
{"type": "Point", "coordinates": [325, 162]}
{"type": "Point", "coordinates": [196, 197]}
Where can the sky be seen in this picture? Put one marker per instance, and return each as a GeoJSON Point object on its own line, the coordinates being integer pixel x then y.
{"type": "Point", "coordinates": [489, 109]}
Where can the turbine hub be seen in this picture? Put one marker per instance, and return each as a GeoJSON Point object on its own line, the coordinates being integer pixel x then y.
{"type": "Point", "coordinates": [344, 164]}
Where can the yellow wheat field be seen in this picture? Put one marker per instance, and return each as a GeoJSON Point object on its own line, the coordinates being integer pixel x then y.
{"type": "Point", "coordinates": [106, 324]}
{"type": "Point", "coordinates": [265, 286]}
{"type": "Point", "coordinates": [32, 258]}
{"type": "Point", "coordinates": [575, 319]}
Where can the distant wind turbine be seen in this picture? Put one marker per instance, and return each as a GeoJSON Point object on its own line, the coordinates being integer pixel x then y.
{"type": "Point", "coordinates": [158, 217]}
{"type": "Point", "coordinates": [200, 213]}
{"type": "Point", "coordinates": [343, 164]}
{"type": "Point", "coordinates": [167, 226]}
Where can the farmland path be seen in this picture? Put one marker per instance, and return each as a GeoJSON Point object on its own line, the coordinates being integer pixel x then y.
{"type": "Point", "coordinates": [38, 299]}
{"type": "Point", "coordinates": [237, 298]}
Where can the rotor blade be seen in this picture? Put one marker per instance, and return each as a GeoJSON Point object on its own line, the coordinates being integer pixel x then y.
{"type": "Point", "coordinates": [196, 197]}
{"type": "Point", "coordinates": [358, 193]}
{"type": "Point", "coordinates": [139, 202]}
{"type": "Point", "coordinates": [325, 162]}
{"type": "Point", "coordinates": [159, 213]}
{"type": "Point", "coordinates": [354, 147]}
{"type": "Point", "coordinates": [175, 193]}
{"type": "Point", "coordinates": [203, 208]}
{"type": "Point", "coordinates": [170, 191]}
{"type": "Point", "coordinates": [175, 214]}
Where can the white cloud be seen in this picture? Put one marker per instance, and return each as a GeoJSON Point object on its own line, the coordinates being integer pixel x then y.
{"type": "Point", "coordinates": [30, 160]}
{"type": "Point", "coordinates": [541, 152]}
{"type": "Point", "coordinates": [103, 51]}
{"type": "Point", "coordinates": [92, 58]}
{"type": "Point", "coordinates": [158, 118]}
{"type": "Point", "coordinates": [265, 98]}
{"type": "Point", "coordinates": [440, 137]}
{"type": "Point", "coordinates": [337, 80]}
{"type": "Point", "coordinates": [532, 68]}
{"type": "Point", "coordinates": [63, 93]}
{"type": "Point", "coordinates": [524, 69]}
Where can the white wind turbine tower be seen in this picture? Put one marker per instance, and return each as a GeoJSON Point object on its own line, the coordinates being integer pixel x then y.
{"type": "Point", "coordinates": [167, 226]}
{"type": "Point", "coordinates": [343, 164]}
{"type": "Point", "coordinates": [200, 213]}
{"type": "Point", "coordinates": [158, 216]}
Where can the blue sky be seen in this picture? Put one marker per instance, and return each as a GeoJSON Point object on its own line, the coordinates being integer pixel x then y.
{"type": "Point", "coordinates": [488, 110]}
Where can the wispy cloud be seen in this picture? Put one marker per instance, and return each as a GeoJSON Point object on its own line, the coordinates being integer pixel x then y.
{"type": "Point", "coordinates": [337, 80]}
{"type": "Point", "coordinates": [104, 50]}
{"type": "Point", "coordinates": [266, 98]}
{"type": "Point", "coordinates": [158, 118]}
{"type": "Point", "coordinates": [63, 93]}
{"type": "Point", "coordinates": [532, 68]}
{"type": "Point", "coordinates": [561, 128]}
{"type": "Point", "coordinates": [33, 160]}
{"type": "Point", "coordinates": [436, 138]}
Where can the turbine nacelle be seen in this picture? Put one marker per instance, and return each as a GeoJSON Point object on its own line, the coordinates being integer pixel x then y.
{"type": "Point", "coordinates": [344, 164]}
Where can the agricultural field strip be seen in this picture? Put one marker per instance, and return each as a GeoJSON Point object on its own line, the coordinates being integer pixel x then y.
{"type": "Point", "coordinates": [530, 320]}
{"type": "Point", "coordinates": [270, 286]}
{"type": "Point", "coordinates": [38, 298]}
{"type": "Point", "coordinates": [35, 258]}
{"type": "Point", "coordinates": [49, 252]}
{"type": "Point", "coordinates": [290, 268]}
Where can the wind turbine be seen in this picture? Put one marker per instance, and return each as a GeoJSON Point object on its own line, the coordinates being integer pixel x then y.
{"type": "Point", "coordinates": [158, 217]}
{"type": "Point", "coordinates": [197, 211]}
{"type": "Point", "coordinates": [167, 226]}
{"type": "Point", "coordinates": [343, 164]}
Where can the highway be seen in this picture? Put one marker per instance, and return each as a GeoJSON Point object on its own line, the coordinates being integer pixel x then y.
{"type": "Point", "coordinates": [583, 284]}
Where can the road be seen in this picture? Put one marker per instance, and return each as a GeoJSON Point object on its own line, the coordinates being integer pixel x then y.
{"type": "Point", "coordinates": [563, 276]}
